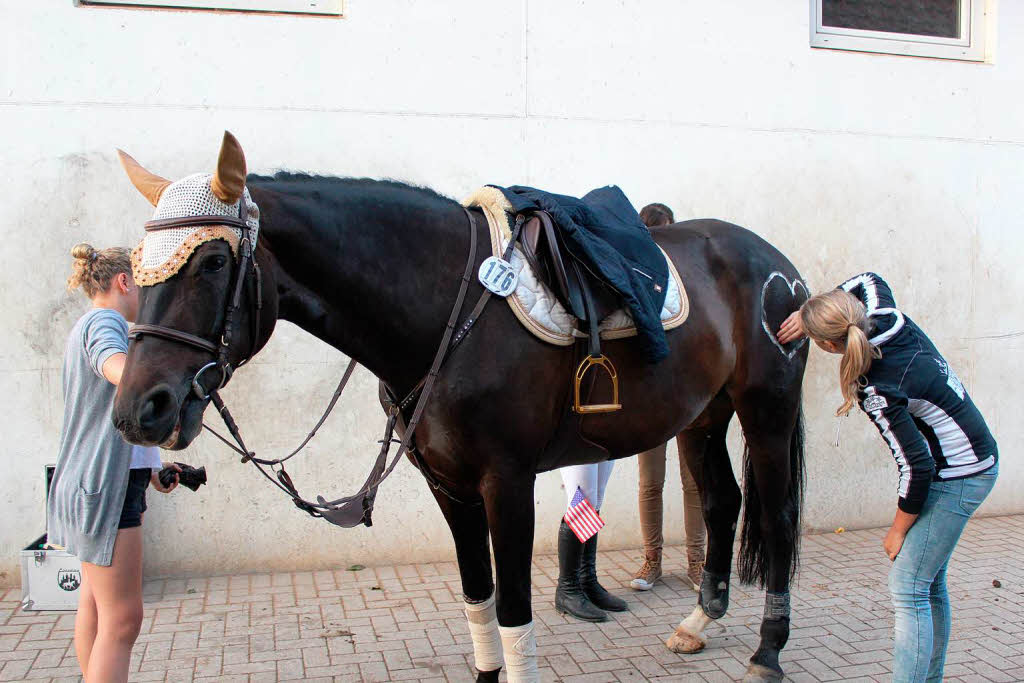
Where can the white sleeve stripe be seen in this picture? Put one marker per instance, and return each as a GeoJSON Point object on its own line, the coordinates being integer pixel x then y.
{"type": "Point", "coordinates": [892, 331]}
{"type": "Point", "coordinates": [897, 452]}
{"type": "Point", "coordinates": [870, 291]}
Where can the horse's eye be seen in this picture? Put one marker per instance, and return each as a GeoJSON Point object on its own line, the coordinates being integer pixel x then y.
{"type": "Point", "coordinates": [214, 263]}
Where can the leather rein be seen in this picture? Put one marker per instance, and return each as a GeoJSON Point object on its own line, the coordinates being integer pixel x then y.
{"type": "Point", "coordinates": [348, 511]}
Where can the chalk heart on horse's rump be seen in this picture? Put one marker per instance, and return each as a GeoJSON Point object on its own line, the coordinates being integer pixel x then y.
{"type": "Point", "coordinates": [780, 296]}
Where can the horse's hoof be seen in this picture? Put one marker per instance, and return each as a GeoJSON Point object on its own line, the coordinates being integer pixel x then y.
{"type": "Point", "coordinates": [757, 673]}
{"type": "Point", "coordinates": [487, 676]}
{"type": "Point", "coordinates": [683, 642]}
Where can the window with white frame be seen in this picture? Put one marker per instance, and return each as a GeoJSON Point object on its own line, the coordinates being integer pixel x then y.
{"type": "Point", "coordinates": [322, 7]}
{"type": "Point", "coordinates": [947, 29]}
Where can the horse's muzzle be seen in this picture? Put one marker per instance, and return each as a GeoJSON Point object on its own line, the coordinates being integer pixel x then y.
{"type": "Point", "coordinates": [158, 413]}
{"type": "Point", "coordinates": [160, 416]}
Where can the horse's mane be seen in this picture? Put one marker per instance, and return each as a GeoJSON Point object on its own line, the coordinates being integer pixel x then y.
{"type": "Point", "coordinates": [307, 184]}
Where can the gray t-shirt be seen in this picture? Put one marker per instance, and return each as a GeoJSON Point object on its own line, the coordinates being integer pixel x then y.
{"type": "Point", "coordinates": [91, 477]}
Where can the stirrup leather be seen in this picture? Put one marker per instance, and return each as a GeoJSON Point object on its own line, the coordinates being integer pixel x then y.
{"type": "Point", "coordinates": [596, 361]}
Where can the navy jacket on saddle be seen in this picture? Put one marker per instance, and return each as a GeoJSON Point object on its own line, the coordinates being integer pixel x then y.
{"type": "Point", "coordinates": [604, 231]}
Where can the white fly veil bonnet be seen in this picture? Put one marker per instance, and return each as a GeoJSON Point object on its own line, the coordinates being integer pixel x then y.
{"type": "Point", "coordinates": [162, 253]}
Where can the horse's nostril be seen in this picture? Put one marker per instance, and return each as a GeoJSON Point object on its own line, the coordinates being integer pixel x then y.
{"type": "Point", "coordinates": [156, 408]}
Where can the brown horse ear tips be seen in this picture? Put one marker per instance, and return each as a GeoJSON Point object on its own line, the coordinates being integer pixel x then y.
{"type": "Point", "coordinates": [231, 148]}
{"type": "Point", "coordinates": [125, 159]}
{"type": "Point", "coordinates": [229, 179]}
{"type": "Point", "coordinates": [150, 185]}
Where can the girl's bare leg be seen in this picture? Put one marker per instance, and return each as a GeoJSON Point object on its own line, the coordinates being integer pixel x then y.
{"type": "Point", "coordinates": [117, 592]}
{"type": "Point", "coordinates": [85, 624]}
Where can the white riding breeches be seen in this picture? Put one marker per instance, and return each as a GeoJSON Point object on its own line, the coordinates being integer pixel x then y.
{"type": "Point", "coordinates": [592, 479]}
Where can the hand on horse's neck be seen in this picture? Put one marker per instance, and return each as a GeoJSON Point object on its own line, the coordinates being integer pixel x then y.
{"type": "Point", "coordinates": [378, 284]}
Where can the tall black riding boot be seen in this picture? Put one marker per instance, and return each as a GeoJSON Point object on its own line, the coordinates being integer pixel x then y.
{"type": "Point", "coordinates": [588, 580]}
{"type": "Point", "coordinates": [569, 595]}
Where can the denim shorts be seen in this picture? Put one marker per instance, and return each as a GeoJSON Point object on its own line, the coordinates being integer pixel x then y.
{"type": "Point", "coordinates": [135, 498]}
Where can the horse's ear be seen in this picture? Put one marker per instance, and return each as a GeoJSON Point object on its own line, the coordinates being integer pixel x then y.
{"type": "Point", "coordinates": [229, 178]}
{"type": "Point", "coordinates": [149, 184]}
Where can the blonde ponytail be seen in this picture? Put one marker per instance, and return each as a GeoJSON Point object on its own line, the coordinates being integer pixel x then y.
{"type": "Point", "coordinates": [856, 361]}
{"type": "Point", "coordinates": [94, 270]}
{"type": "Point", "coordinates": [838, 317]}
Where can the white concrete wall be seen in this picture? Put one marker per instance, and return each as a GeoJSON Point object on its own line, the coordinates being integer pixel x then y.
{"type": "Point", "coordinates": [846, 161]}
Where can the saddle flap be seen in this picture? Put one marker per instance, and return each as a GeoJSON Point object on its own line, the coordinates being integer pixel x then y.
{"type": "Point", "coordinates": [576, 288]}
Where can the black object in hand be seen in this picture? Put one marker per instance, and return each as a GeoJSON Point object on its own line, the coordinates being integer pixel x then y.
{"type": "Point", "coordinates": [190, 477]}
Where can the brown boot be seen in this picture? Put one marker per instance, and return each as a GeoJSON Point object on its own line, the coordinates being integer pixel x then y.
{"type": "Point", "coordinates": [649, 572]}
{"type": "Point", "coordinates": [694, 566]}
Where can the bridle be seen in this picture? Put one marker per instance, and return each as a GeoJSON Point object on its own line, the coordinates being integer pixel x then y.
{"type": "Point", "coordinates": [243, 263]}
{"type": "Point", "coordinates": [357, 508]}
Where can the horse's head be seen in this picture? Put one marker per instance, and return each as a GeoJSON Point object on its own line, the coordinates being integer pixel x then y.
{"type": "Point", "coordinates": [198, 314]}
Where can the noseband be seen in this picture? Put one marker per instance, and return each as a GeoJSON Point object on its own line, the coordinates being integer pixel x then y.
{"type": "Point", "coordinates": [219, 350]}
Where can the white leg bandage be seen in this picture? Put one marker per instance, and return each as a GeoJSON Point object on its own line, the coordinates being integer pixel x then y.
{"type": "Point", "coordinates": [520, 653]}
{"type": "Point", "coordinates": [483, 626]}
{"type": "Point", "coordinates": [696, 622]}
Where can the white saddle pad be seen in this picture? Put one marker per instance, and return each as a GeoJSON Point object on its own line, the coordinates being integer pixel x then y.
{"type": "Point", "coordinates": [536, 306]}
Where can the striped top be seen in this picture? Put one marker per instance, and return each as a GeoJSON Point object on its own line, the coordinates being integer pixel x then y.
{"type": "Point", "coordinates": [917, 402]}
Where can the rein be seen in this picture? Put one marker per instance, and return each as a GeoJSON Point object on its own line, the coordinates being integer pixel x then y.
{"type": "Point", "coordinates": [357, 508]}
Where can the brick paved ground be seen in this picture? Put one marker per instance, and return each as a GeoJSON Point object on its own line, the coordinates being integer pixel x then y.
{"type": "Point", "coordinates": [406, 623]}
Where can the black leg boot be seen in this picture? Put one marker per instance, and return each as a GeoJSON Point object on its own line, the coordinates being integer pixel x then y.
{"type": "Point", "coordinates": [588, 580]}
{"type": "Point", "coordinates": [569, 596]}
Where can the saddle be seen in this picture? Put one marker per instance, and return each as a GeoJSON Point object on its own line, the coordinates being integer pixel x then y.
{"type": "Point", "coordinates": [576, 287]}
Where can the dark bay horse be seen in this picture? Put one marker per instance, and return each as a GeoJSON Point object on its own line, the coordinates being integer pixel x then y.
{"type": "Point", "coordinates": [373, 267]}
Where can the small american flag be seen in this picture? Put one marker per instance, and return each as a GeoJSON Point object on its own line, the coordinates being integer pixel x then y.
{"type": "Point", "coordinates": [582, 518]}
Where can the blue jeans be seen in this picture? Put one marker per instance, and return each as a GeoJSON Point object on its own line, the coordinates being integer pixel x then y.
{"type": "Point", "coordinates": [917, 580]}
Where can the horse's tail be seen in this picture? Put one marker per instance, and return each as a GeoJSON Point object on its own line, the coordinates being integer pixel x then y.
{"type": "Point", "coordinates": [752, 563]}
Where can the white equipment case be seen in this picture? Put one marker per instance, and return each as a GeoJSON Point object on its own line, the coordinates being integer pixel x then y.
{"type": "Point", "coordinates": [50, 578]}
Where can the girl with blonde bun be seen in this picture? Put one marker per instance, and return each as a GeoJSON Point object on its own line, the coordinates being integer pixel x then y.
{"type": "Point", "coordinates": [947, 457]}
{"type": "Point", "coordinates": [98, 492]}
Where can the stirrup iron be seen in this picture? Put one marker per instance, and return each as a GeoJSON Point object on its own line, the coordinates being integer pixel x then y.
{"type": "Point", "coordinates": [588, 362]}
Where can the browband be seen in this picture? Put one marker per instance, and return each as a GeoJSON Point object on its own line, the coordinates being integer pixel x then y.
{"type": "Point", "coordinates": [173, 334]}
{"type": "Point", "coordinates": [194, 221]}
